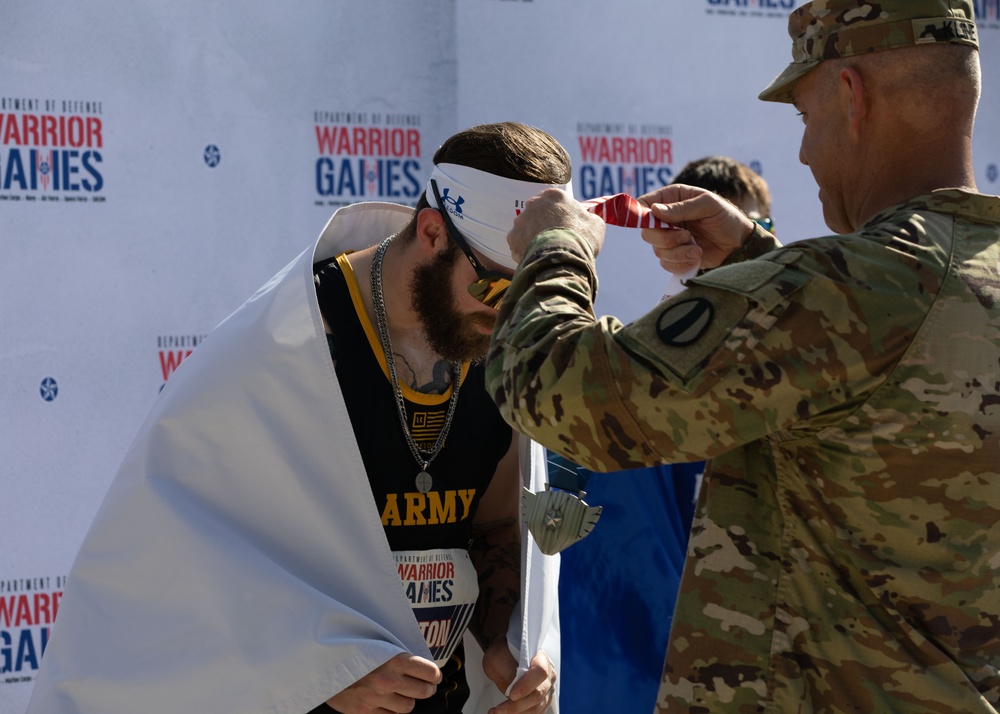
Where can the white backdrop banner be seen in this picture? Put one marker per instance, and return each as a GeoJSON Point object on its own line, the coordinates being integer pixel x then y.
{"type": "Point", "coordinates": [160, 161]}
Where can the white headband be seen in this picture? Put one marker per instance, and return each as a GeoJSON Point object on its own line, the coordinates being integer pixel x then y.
{"type": "Point", "coordinates": [483, 206]}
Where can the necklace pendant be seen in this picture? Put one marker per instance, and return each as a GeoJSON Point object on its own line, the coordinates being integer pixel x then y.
{"type": "Point", "coordinates": [424, 482]}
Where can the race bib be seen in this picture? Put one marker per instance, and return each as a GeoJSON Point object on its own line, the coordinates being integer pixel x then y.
{"type": "Point", "coordinates": [442, 587]}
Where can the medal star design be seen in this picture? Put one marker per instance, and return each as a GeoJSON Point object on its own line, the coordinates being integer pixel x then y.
{"type": "Point", "coordinates": [553, 519]}
{"type": "Point", "coordinates": [556, 519]}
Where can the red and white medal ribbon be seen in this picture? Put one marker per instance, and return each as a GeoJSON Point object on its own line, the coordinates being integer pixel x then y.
{"type": "Point", "coordinates": [622, 210]}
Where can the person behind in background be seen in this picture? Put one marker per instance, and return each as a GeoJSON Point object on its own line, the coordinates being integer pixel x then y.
{"type": "Point", "coordinates": [734, 181]}
{"type": "Point", "coordinates": [618, 587]}
{"type": "Point", "coordinates": [291, 532]}
{"type": "Point", "coordinates": [845, 552]}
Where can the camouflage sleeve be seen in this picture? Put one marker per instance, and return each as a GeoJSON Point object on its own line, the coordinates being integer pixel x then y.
{"type": "Point", "coordinates": [758, 243]}
{"type": "Point", "coordinates": [719, 365]}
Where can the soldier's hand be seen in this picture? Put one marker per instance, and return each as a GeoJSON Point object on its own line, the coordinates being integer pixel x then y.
{"type": "Point", "coordinates": [533, 692]}
{"type": "Point", "coordinates": [554, 208]}
{"type": "Point", "coordinates": [709, 227]}
{"type": "Point", "coordinates": [393, 687]}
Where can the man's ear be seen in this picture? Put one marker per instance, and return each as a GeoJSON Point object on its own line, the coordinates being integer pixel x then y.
{"type": "Point", "coordinates": [857, 97]}
{"type": "Point", "coordinates": [432, 234]}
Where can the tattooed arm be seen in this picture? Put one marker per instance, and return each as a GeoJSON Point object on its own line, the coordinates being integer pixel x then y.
{"type": "Point", "coordinates": [496, 551]}
{"type": "Point", "coordinates": [496, 555]}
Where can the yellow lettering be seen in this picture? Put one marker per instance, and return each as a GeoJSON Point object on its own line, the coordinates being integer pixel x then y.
{"type": "Point", "coordinates": [390, 514]}
{"type": "Point", "coordinates": [466, 494]}
{"type": "Point", "coordinates": [415, 505]}
{"type": "Point", "coordinates": [433, 508]}
{"type": "Point", "coordinates": [441, 512]}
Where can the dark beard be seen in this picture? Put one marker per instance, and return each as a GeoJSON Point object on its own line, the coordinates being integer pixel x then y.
{"type": "Point", "coordinates": [449, 333]}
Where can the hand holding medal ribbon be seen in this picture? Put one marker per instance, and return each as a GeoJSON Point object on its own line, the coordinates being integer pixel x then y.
{"type": "Point", "coordinates": [620, 209]}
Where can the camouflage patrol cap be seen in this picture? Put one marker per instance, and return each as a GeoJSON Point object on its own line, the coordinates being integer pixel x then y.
{"type": "Point", "coordinates": [829, 29]}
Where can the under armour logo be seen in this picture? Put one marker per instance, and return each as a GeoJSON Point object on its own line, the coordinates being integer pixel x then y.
{"type": "Point", "coordinates": [455, 203]}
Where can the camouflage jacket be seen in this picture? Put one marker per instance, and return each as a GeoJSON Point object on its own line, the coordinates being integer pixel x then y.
{"type": "Point", "coordinates": [845, 554]}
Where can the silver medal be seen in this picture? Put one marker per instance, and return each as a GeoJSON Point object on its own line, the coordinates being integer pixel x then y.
{"type": "Point", "coordinates": [557, 519]}
{"type": "Point", "coordinates": [424, 482]}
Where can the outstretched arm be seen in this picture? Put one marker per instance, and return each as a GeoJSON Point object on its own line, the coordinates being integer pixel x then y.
{"type": "Point", "coordinates": [710, 230]}
{"type": "Point", "coordinates": [496, 555]}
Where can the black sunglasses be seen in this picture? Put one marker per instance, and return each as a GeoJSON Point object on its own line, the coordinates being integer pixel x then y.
{"type": "Point", "coordinates": [491, 285]}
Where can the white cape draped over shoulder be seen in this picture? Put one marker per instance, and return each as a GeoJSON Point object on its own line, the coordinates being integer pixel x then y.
{"type": "Point", "coordinates": [238, 562]}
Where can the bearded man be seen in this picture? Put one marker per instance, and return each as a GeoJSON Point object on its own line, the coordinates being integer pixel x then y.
{"type": "Point", "coordinates": [295, 533]}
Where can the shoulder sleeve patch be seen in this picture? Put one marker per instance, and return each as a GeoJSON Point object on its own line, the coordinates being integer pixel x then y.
{"type": "Point", "coordinates": [681, 333]}
{"type": "Point", "coordinates": [682, 323]}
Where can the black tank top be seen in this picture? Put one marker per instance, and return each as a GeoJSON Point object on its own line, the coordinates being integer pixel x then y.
{"type": "Point", "coordinates": [461, 472]}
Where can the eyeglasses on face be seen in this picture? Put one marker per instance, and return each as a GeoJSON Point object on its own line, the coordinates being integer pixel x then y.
{"type": "Point", "coordinates": [490, 286]}
{"type": "Point", "coordinates": [767, 223]}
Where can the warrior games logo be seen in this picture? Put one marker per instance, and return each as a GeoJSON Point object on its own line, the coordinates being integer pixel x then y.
{"type": "Point", "coordinates": [174, 349]}
{"type": "Point", "coordinates": [754, 8]}
{"type": "Point", "coordinates": [367, 156]}
{"type": "Point", "coordinates": [623, 158]}
{"type": "Point", "coordinates": [987, 13]}
{"type": "Point", "coordinates": [50, 150]}
{"type": "Point", "coordinates": [28, 607]}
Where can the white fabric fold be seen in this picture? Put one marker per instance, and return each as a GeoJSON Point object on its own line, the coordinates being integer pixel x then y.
{"type": "Point", "coordinates": [238, 562]}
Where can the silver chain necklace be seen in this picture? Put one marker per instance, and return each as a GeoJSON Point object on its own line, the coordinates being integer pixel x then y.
{"type": "Point", "coordinates": [424, 457]}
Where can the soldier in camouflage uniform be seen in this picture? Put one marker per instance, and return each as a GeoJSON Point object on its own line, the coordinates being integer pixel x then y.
{"type": "Point", "coordinates": [845, 555]}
